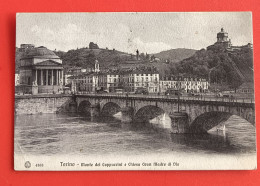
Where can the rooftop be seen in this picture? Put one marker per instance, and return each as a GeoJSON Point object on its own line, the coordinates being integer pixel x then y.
{"type": "Point", "coordinates": [119, 72]}
{"type": "Point", "coordinates": [183, 78]}
{"type": "Point", "coordinates": [247, 85]}
{"type": "Point", "coordinates": [40, 52]}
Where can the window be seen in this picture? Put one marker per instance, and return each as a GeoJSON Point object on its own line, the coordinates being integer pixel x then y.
{"type": "Point", "coordinates": [29, 80]}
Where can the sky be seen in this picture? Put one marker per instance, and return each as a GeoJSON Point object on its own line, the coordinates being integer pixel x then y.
{"type": "Point", "coordinates": [127, 32]}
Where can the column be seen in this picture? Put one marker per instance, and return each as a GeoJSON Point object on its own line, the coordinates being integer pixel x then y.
{"type": "Point", "coordinates": [46, 77]}
{"type": "Point", "coordinates": [41, 77]}
{"type": "Point", "coordinates": [36, 82]}
{"type": "Point", "coordinates": [61, 77]}
{"type": "Point", "coordinates": [58, 83]}
{"type": "Point", "coordinates": [57, 80]}
{"type": "Point", "coordinates": [52, 77]}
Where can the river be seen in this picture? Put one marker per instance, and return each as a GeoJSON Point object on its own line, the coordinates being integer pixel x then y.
{"type": "Point", "coordinates": [73, 134]}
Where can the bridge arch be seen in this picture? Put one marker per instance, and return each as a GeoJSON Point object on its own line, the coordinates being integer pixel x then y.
{"type": "Point", "coordinates": [110, 108]}
{"type": "Point", "coordinates": [147, 113]}
{"type": "Point", "coordinates": [208, 120]}
{"type": "Point", "coordinates": [71, 106]}
{"type": "Point", "coordinates": [84, 107]}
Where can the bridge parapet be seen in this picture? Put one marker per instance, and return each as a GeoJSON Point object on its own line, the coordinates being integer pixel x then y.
{"type": "Point", "coordinates": [208, 101]}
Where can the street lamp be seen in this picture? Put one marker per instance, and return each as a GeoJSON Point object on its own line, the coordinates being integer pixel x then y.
{"type": "Point", "coordinates": [179, 88]}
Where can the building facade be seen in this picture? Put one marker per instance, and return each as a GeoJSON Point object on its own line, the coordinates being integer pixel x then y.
{"type": "Point", "coordinates": [246, 88]}
{"type": "Point", "coordinates": [184, 84]}
{"type": "Point", "coordinates": [128, 81]}
{"type": "Point", "coordinates": [41, 71]}
{"type": "Point", "coordinates": [144, 79]}
{"type": "Point", "coordinates": [17, 79]}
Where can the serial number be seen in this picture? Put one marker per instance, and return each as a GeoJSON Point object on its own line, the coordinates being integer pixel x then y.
{"type": "Point", "coordinates": [39, 165]}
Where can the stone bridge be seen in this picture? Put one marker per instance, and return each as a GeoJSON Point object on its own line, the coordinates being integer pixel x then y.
{"type": "Point", "coordinates": [201, 114]}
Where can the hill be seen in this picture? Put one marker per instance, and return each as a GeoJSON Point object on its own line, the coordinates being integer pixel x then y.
{"type": "Point", "coordinates": [85, 57]}
{"type": "Point", "coordinates": [219, 65]}
{"type": "Point", "coordinates": [175, 55]}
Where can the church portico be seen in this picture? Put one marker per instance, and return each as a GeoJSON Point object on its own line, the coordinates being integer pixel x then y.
{"type": "Point", "coordinates": [48, 80]}
{"type": "Point", "coordinates": [47, 77]}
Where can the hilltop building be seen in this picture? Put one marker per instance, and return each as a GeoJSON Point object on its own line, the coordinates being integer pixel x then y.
{"type": "Point", "coordinates": [93, 45]}
{"type": "Point", "coordinates": [41, 71]}
{"type": "Point", "coordinates": [222, 39]}
{"type": "Point", "coordinates": [225, 42]}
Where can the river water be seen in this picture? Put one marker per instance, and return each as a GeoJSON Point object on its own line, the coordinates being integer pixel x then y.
{"type": "Point", "coordinates": [63, 134]}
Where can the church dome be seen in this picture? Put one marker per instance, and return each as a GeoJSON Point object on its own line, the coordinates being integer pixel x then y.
{"type": "Point", "coordinates": [40, 52]}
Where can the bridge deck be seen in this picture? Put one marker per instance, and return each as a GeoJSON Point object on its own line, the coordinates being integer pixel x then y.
{"type": "Point", "coordinates": [245, 102]}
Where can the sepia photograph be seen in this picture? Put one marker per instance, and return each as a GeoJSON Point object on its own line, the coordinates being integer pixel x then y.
{"type": "Point", "coordinates": [134, 91]}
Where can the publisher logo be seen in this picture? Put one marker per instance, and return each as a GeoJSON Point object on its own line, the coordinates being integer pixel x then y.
{"type": "Point", "coordinates": [27, 164]}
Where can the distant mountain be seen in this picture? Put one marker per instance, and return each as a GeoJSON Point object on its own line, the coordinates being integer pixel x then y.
{"type": "Point", "coordinates": [175, 55]}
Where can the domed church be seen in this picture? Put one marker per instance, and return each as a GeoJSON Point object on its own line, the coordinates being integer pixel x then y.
{"type": "Point", "coordinates": [41, 71]}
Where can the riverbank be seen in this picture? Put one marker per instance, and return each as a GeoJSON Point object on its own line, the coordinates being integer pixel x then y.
{"type": "Point", "coordinates": [42, 103]}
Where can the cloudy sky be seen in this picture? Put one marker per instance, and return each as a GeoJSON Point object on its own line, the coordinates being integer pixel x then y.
{"type": "Point", "coordinates": [147, 32]}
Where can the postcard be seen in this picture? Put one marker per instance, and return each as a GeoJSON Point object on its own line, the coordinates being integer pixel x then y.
{"type": "Point", "coordinates": [134, 91]}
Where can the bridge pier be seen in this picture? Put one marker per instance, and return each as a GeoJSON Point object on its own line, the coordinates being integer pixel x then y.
{"type": "Point", "coordinates": [94, 110]}
{"type": "Point", "coordinates": [127, 114]}
{"type": "Point", "coordinates": [180, 123]}
{"type": "Point", "coordinates": [72, 107]}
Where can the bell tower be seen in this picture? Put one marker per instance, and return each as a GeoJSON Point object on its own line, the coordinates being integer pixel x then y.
{"type": "Point", "coordinates": [96, 68]}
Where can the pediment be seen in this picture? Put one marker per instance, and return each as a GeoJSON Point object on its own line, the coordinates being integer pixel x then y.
{"type": "Point", "coordinates": [48, 63]}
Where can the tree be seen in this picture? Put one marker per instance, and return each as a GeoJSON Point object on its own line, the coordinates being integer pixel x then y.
{"type": "Point", "coordinates": [142, 56]}
{"type": "Point", "coordinates": [147, 56]}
